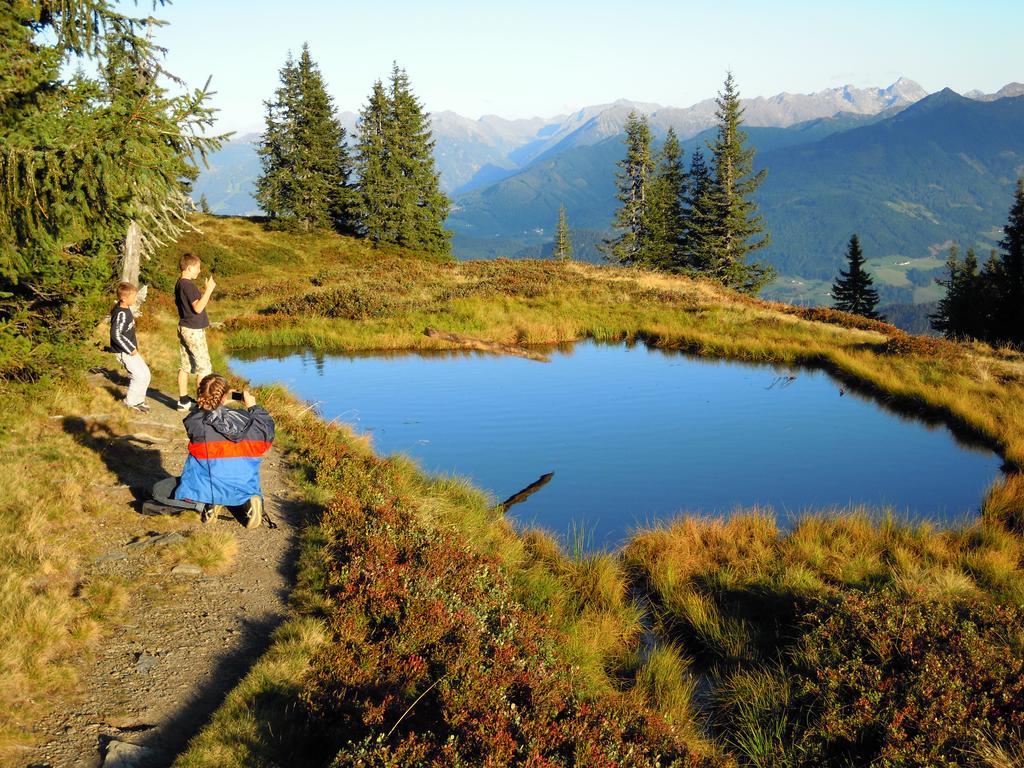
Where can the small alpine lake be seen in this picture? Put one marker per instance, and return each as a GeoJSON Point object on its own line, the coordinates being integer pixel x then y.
{"type": "Point", "coordinates": [635, 435]}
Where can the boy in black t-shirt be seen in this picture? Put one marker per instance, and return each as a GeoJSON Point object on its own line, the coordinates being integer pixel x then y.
{"type": "Point", "coordinates": [192, 323]}
{"type": "Point", "coordinates": [126, 347]}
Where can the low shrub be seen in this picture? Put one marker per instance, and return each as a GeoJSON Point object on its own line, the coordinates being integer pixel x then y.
{"type": "Point", "coordinates": [355, 303]}
{"type": "Point", "coordinates": [843, 319]}
{"type": "Point", "coordinates": [925, 346]}
{"type": "Point", "coordinates": [880, 681]}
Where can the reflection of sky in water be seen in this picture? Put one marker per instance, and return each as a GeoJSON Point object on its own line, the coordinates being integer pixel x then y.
{"type": "Point", "coordinates": [634, 434]}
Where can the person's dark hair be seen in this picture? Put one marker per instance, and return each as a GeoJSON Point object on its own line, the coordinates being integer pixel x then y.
{"type": "Point", "coordinates": [187, 260]}
{"type": "Point", "coordinates": [211, 391]}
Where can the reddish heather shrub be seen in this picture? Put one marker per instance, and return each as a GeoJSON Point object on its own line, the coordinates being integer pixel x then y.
{"type": "Point", "coordinates": [883, 681]}
{"type": "Point", "coordinates": [845, 319]}
{"type": "Point", "coordinates": [926, 346]}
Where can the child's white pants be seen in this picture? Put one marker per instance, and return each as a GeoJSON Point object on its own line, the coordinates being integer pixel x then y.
{"type": "Point", "coordinates": [140, 376]}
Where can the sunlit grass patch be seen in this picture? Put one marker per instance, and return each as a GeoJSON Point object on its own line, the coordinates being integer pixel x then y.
{"type": "Point", "coordinates": [253, 722]}
{"type": "Point", "coordinates": [53, 496]}
{"type": "Point", "coordinates": [1004, 502]}
{"type": "Point", "coordinates": [665, 679]}
{"type": "Point", "coordinates": [212, 550]}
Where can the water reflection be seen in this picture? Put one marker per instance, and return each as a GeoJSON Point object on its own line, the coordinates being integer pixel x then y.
{"type": "Point", "coordinates": [635, 434]}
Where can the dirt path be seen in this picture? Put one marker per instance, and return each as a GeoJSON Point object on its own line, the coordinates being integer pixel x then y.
{"type": "Point", "coordinates": [184, 640]}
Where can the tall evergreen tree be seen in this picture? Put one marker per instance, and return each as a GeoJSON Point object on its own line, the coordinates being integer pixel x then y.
{"type": "Point", "coordinates": [666, 216]}
{"type": "Point", "coordinates": [852, 291]}
{"type": "Point", "coordinates": [738, 229]}
{"type": "Point", "coordinates": [399, 197]}
{"type": "Point", "coordinates": [630, 245]}
{"type": "Point", "coordinates": [277, 185]}
{"type": "Point", "coordinates": [700, 239]}
{"type": "Point", "coordinates": [420, 206]}
{"type": "Point", "coordinates": [374, 199]}
{"type": "Point", "coordinates": [1010, 312]}
{"type": "Point", "coordinates": [956, 314]}
{"type": "Point", "coordinates": [306, 167]}
{"type": "Point", "coordinates": [563, 243]}
{"type": "Point", "coordinates": [84, 161]}
{"type": "Point", "coordinates": [988, 304]}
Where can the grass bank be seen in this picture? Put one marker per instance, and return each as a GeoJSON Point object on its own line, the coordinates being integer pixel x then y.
{"type": "Point", "coordinates": [687, 645]}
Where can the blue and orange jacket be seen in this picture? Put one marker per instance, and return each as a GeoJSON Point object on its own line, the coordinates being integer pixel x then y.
{"type": "Point", "coordinates": [225, 448]}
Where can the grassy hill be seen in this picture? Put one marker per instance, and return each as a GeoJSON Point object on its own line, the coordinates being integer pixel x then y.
{"type": "Point", "coordinates": [426, 630]}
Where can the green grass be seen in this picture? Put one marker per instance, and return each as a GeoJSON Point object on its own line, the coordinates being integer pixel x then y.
{"type": "Point", "coordinates": [714, 586]}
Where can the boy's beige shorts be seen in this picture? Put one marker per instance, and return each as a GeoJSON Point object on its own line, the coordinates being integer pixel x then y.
{"type": "Point", "coordinates": [192, 351]}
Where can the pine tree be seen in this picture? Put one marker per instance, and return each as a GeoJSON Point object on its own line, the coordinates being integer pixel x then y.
{"type": "Point", "coordinates": [630, 245]}
{"type": "Point", "coordinates": [85, 160]}
{"type": "Point", "coordinates": [563, 243]}
{"type": "Point", "coordinates": [277, 185]}
{"type": "Point", "coordinates": [306, 167]}
{"type": "Point", "coordinates": [852, 291]}
{"type": "Point", "coordinates": [666, 219]}
{"type": "Point", "coordinates": [956, 315]}
{"type": "Point", "coordinates": [700, 241]}
{"type": "Point", "coordinates": [1010, 311]}
{"type": "Point", "coordinates": [738, 228]}
{"type": "Point", "coordinates": [374, 200]}
{"type": "Point", "coordinates": [399, 197]}
{"type": "Point", "coordinates": [420, 206]}
{"type": "Point", "coordinates": [204, 204]}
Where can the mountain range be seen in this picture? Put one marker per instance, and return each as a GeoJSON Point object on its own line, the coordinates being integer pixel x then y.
{"type": "Point", "coordinates": [471, 154]}
{"type": "Point", "coordinates": [908, 171]}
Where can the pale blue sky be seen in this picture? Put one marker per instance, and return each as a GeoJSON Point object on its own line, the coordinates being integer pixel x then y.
{"type": "Point", "coordinates": [529, 57]}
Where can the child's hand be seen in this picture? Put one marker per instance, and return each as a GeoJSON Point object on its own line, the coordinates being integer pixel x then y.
{"type": "Point", "coordinates": [135, 352]}
{"type": "Point", "coordinates": [248, 399]}
{"type": "Point", "coordinates": [210, 284]}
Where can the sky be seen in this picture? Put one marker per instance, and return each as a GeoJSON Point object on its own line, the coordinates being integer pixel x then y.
{"type": "Point", "coordinates": [534, 58]}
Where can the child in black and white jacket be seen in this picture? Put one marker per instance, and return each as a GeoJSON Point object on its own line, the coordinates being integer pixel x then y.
{"type": "Point", "coordinates": [126, 347]}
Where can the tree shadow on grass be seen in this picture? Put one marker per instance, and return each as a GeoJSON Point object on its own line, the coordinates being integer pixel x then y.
{"type": "Point", "coordinates": [135, 461]}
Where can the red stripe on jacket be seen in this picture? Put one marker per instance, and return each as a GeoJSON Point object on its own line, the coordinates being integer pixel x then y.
{"type": "Point", "coordinates": [226, 449]}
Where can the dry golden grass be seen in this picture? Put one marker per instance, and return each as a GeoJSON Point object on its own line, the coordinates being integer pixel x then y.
{"type": "Point", "coordinates": [665, 680]}
{"type": "Point", "coordinates": [995, 755]}
{"type": "Point", "coordinates": [52, 498]}
{"type": "Point", "coordinates": [213, 550]}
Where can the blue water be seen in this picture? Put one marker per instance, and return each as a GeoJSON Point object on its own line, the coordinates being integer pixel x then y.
{"type": "Point", "coordinates": [635, 435]}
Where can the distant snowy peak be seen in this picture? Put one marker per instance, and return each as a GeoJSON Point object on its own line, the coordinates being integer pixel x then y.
{"type": "Point", "coordinates": [1007, 91]}
{"type": "Point", "coordinates": [787, 109]}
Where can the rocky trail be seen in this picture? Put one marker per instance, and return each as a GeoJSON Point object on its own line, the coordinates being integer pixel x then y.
{"type": "Point", "coordinates": [188, 633]}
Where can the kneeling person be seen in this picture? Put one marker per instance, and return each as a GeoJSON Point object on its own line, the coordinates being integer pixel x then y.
{"type": "Point", "coordinates": [225, 450]}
